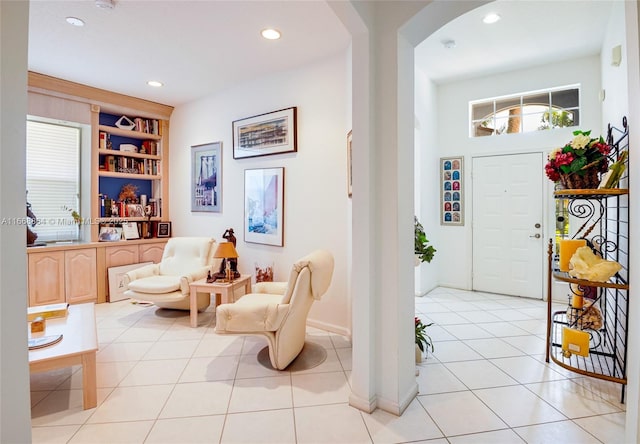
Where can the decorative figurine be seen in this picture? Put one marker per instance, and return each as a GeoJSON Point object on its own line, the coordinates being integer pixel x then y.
{"type": "Point", "coordinates": [233, 263]}
{"type": "Point", "coordinates": [210, 278]}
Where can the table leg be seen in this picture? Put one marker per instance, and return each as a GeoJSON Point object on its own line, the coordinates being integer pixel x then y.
{"type": "Point", "coordinates": [225, 295]}
{"type": "Point", "coordinates": [89, 390]}
{"type": "Point", "coordinates": [193, 306]}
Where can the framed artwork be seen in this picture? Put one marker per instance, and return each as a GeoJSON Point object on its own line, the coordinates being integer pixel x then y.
{"type": "Point", "coordinates": [265, 134]}
{"type": "Point", "coordinates": [164, 229]}
{"type": "Point", "coordinates": [264, 206]}
{"type": "Point", "coordinates": [135, 210]}
{"type": "Point", "coordinates": [110, 234]}
{"type": "Point", "coordinates": [130, 230]}
{"type": "Point", "coordinates": [349, 167]}
{"type": "Point", "coordinates": [206, 177]}
{"type": "Point", "coordinates": [451, 191]}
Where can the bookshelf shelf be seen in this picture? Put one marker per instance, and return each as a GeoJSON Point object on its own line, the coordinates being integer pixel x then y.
{"type": "Point", "coordinates": [103, 173]}
{"type": "Point", "coordinates": [128, 154]}
{"type": "Point", "coordinates": [128, 133]}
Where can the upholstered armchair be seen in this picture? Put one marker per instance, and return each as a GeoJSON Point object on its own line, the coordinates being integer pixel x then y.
{"type": "Point", "coordinates": [166, 284]}
{"type": "Point", "coordinates": [278, 310]}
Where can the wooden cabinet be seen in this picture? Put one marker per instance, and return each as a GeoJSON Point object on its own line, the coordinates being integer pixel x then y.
{"type": "Point", "coordinates": [62, 276]}
{"type": "Point", "coordinates": [46, 278]}
{"type": "Point", "coordinates": [80, 279]}
{"type": "Point", "coordinates": [151, 252]}
{"type": "Point", "coordinates": [79, 273]}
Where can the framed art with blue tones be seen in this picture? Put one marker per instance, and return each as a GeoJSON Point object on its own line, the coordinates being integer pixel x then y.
{"type": "Point", "coordinates": [451, 191]}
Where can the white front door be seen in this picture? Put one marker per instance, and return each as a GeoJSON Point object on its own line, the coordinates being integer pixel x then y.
{"type": "Point", "coordinates": [508, 252]}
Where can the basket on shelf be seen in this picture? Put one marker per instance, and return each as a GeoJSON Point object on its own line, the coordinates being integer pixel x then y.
{"type": "Point", "coordinates": [574, 181]}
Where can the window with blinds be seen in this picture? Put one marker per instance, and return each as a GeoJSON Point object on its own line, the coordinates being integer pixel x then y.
{"type": "Point", "coordinates": [53, 179]}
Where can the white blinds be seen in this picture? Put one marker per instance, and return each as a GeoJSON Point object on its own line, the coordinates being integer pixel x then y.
{"type": "Point", "coordinates": [53, 174]}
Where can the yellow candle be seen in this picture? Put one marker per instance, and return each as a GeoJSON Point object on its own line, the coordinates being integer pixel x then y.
{"type": "Point", "coordinates": [577, 301]}
{"type": "Point", "coordinates": [567, 248]}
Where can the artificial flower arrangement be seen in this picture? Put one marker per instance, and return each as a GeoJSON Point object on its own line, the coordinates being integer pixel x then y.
{"type": "Point", "coordinates": [578, 163]}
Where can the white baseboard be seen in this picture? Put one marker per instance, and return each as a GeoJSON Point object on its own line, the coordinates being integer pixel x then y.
{"type": "Point", "coordinates": [329, 327]}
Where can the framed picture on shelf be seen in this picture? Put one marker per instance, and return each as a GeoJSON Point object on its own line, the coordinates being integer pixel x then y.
{"type": "Point", "coordinates": [110, 234]}
{"type": "Point", "coordinates": [135, 210]}
{"type": "Point", "coordinates": [451, 191]}
{"type": "Point", "coordinates": [130, 230]}
{"type": "Point", "coordinates": [264, 206]}
{"type": "Point", "coordinates": [349, 167]}
{"type": "Point", "coordinates": [206, 177]}
{"type": "Point", "coordinates": [265, 134]}
{"type": "Point", "coordinates": [164, 229]}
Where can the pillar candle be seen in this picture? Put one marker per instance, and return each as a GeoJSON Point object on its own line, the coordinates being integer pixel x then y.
{"type": "Point", "coordinates": [577, 301]}
{"type": "Point", "coordinates": [567, 248]}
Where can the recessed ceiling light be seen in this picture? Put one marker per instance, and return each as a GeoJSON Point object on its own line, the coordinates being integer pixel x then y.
{"type": "Point", "coordinates": [75, 21]}
{"type": "Point", "coordinates": [490, 18]}
{"type": "Point", "coordinates": [154, 83]}
{"type": "Point", "coordinates": [270, 34]}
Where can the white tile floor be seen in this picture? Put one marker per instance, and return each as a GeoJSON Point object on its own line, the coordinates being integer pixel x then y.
{"type": "Point", "coordinates": [160, 381]}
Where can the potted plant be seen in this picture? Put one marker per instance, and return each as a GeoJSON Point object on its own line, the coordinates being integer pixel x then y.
{"type": "Point", "coordinates": [423, 340]}
{"type": "Point", "coordinates": [423, 251]}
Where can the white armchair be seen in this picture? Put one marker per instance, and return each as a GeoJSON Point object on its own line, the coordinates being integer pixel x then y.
{"type": "Point", "coordinates": [278, 310]}
{"type": "Point", "coordinates": [166, 284]}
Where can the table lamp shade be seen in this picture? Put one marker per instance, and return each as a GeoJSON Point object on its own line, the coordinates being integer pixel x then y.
{"type": "Point", "coordinates": [226, 250]}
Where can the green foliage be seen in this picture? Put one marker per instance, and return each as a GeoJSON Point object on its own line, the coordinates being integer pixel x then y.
{"type": "Point", "coordinates": [423, 340]}
{"type": "Point", "coordinates": [556, 119]}
{"type": "Point", "coordinates": [422, 248]}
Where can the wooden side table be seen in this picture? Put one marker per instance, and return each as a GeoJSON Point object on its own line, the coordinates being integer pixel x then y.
{"type": "Point", "coordinates": [223, 289]}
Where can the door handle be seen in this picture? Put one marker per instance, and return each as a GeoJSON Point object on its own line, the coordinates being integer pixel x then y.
{"type": "Point", "coordinates": [537, 236]}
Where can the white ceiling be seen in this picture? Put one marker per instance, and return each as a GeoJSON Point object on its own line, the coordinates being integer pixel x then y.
{"type": "Point", "coordinates": [198, 47]}
{"type": "Point", "coordinates": [529, 33]}
{"type": "Point", "coordinates": [193, 47]}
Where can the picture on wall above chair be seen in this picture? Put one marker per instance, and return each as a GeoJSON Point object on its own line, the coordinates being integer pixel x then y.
{"type": "Point", "coordinates": [264, 206]}
{"type": "Point", "coordinates": [265, 134]}
{"type": "Point", "coordinates": [206, 177]}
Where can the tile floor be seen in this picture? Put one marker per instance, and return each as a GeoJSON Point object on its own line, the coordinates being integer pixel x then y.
{"type": "Point", "coordinates": [160, 381]}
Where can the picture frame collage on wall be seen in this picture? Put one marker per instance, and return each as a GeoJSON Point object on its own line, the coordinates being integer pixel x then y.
{"type": "Point", "coordinates": [261, 135]}
{"type": "Point", "coordinates": [451, 191]}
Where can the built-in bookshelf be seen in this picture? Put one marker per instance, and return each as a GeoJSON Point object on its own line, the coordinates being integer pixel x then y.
{"type": "Point", "coordinates": [130, 152]}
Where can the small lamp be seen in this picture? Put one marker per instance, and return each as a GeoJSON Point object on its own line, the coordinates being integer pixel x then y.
{"type": "Point", "coordinates": [227, 251]}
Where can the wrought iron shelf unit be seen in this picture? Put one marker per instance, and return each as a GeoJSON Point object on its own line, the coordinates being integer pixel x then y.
{"type": "Point", "coordinates": [603, 219]}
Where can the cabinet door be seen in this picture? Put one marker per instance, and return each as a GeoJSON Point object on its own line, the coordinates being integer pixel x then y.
{"type": "Point", "coordinates": [80, 275]}
{"type": "Point", "coordinates": [151, 252]}
{"type": "Point", "coordinates": [46, 278]}
{"type": "Point", "coordinates": [121, 255]}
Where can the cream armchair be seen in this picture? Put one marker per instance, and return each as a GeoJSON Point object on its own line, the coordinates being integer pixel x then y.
{"type": "Point", "coordinates": [278, 310]}
{"type": "Point", "coordinates": [166, 284]}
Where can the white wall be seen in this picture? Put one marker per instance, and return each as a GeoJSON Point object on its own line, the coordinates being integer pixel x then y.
{"type": "Point", "coordinates": [452, 139]}
{"type": "Point", "coordinates": [427, 191]}
{"type": "Point", "coordinates": [316, 202]}
{"type": "Point", "coordinates": [15, 418]}
{"type": "Point", "coordinates": [614, 78]}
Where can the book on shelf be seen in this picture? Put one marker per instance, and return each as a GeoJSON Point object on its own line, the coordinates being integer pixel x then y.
{"type": "Point", "coordinates": [48, 311]}
{"type": "Point", "coordinates": [102, 140]}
